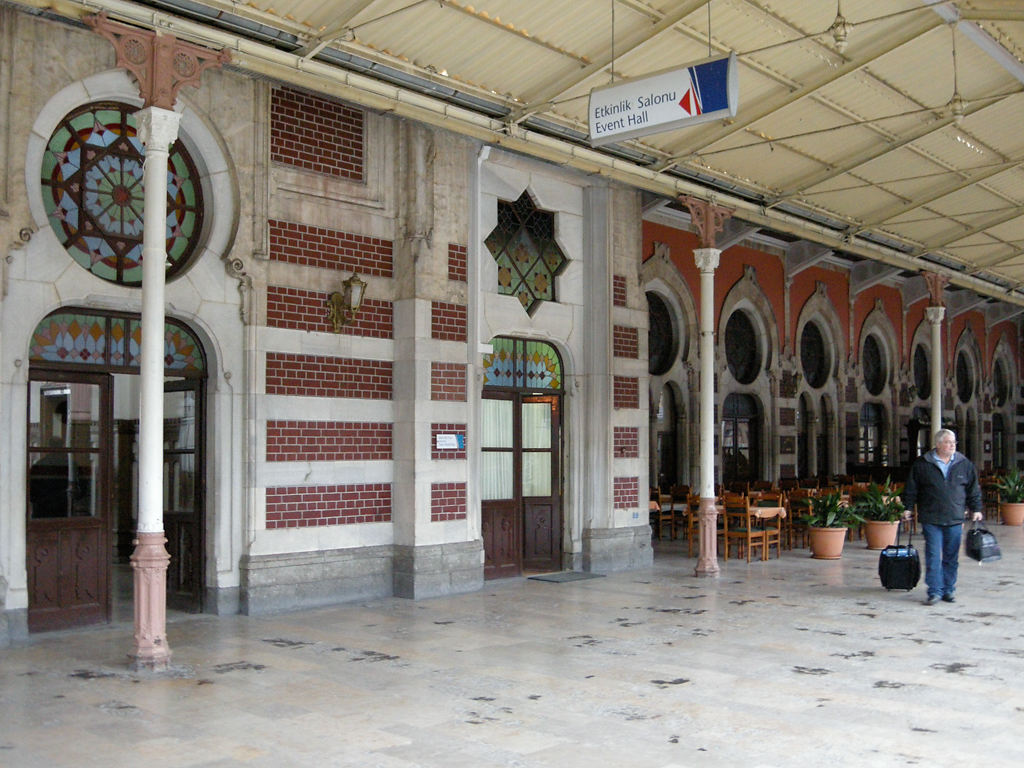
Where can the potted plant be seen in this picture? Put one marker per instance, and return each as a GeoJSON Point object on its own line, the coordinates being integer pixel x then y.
{"type": "Point", "coordinates": [1011, 497]}
{"type": "Point", "coordinates": [827, 525]}
{"type": "Point", "coordinates": [881, 510]}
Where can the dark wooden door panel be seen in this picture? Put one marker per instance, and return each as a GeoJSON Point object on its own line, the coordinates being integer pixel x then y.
{"type": "Point", "coordinates": [502, 544]}
{"type": "Point", "coordinates": [67, 578]}
{"type": "Point", "coordinates": [541, 551]}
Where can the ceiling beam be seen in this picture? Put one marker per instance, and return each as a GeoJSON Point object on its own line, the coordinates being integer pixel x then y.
{"type": "Point", "coordinates": [753, 113]}
{"type": "Point", "coordinates": [338, 29]}
{"type": "Point", "coordinates": [913, 289]}
{"type": "Point", "coordinates": [867, 274]}
{"type": "Point", "coordinates": [967, 180]}
{"type": "Point", "coordinates": [802, 255]}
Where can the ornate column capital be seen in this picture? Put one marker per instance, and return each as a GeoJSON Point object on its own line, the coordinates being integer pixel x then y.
{"type": "Point", "coordinates": [936, 283]}
{"type": "Point", "coordinates": [706, 259]}
{"type": "Point", "coordinates": [157, 127]}
{"type": "Point", "coordinates": [161, 64]}
{"type": "Point", "coordinates": [934, 315]}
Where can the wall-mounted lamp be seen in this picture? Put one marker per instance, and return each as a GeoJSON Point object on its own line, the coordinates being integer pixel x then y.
{"type": "Point", "coordinates": [343, 305]}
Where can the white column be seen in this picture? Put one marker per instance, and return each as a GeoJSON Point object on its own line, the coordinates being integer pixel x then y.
{"type": "Point", "coordinates": [157, 130]}
{"type": "Point", "coordinates": [707, 562]}
{"type": "Point", "coordinates": [934, 315]}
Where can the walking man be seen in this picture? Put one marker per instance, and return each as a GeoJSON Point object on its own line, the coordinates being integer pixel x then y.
{"type": "Point", "coordinates": [943, 484]}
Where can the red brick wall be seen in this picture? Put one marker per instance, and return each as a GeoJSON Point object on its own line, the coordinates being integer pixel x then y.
{"type": "Point", "coordinates": [303, 310]}
{"type": "Point", "coordinates": [313, 505]}
{"type": "Point", "coordinates": [320, 376]}
{"type": "Point", "coordinates": [328, 441]}
{"type": "Point", "coordinates": [626, 492]}
{"type": "Point", "coordinates": [310, 246]}
{"type": "Point", "coordinates": [448, 321]}
{"type": "Point", "coordinates": [447, 429]}
{"type": "Point", "coordinates": [619, 290]}
{"type": "Point", "coordinates": [448, 381]}
{"type": "Point", "coordinates": [625, 342]}
{"type": "Point", "coordinates": [627, 442]}
{"type": "Point", "coordinates": [457, 259]}
{"type": "Point", "coordinates": [447, 501]}
{"type": "Point", "coordinates": [316, 134]}
{"type": "Point", "coordinates": [626, 392]}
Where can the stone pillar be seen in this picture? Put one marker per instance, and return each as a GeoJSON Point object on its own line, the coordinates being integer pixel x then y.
{"type": "Point", "coordinates": [812, 444]}
{"type": "Point", "coordinates": [158, 128]}
{"type": "Point", "coordinates": [707, 561]}
{"type": "Point", "coordinates": [934, 315]}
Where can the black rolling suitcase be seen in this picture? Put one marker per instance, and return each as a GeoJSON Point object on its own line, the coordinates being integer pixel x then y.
{"type": "Point", "coordinates": [899, 567]}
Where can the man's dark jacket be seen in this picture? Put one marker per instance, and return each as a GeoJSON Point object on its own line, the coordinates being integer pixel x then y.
{"type": "Point", "coordinates": [942, 500]}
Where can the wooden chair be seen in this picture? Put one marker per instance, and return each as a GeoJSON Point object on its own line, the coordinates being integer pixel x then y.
{"type": "Point", "coordinates": [774, 533]}
{"type": "Point", "coordinates": [761, 486]}
{"type": "Point", "coordinates": [680, 496]}
{"type": "Point", "coordinates": [666, 517]}
{"type": "Point", "coordinates": [742, 527]}
{"type": "Point", "coordinates": [798, 504]}
{"type": "Point", "coordinates": [692, 523]}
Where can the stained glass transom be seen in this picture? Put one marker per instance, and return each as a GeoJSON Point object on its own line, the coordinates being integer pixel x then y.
{"type": "Point", "coordinates": [533, 365]}
{"type": "Point", "coordinates": [111, 341]}
{"type": "Point", "coordinates": [93, 193]}
{"type": "Point", "coordinates": [523, 244]}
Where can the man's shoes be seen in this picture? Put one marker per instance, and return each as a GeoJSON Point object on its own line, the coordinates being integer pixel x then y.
{"type": "Point", "coordinates": [949, 598]}
{"type": "Point", "coordinates": [931, 600]}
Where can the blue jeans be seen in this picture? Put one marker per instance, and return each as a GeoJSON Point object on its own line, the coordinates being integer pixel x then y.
{"type": "Point", "coordinates": [941, 553]}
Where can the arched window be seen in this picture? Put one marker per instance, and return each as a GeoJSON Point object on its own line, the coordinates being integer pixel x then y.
{"type": "Point", "coordinates": [661, 337]}
{"type": "Point", "coordinates": [922, 373]}
{"type": "Point", "coordinates": [964, 378]}
{"type": "Point", "coordinates": [1000, 385]}
{"type": "Point", "coordinates": [814, 356]}
{"type": "Point", "coordinates": [874, 366]}
{"type": "Point", "coordinates": [741, 348]}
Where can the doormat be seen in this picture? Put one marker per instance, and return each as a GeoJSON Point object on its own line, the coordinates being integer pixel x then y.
{"type": "Point", "coordinates": [563, 576]}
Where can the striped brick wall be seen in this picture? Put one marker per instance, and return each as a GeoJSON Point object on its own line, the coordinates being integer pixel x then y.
{"type": "Point", "coordinates": [321, 376]}
{"type": "Point", "coordinates": [316, 505]}
{"type": "Point", "coordinates": [316, 134]}
{"type": "Point", "coordinates": [310, 246]}
{"type": "Point", "coordinates": [447, 501]}
{"type": "Point", "coordinates": [328, 441]}
{"type": "Point", "coordinates": [625, 342]}
{"type": "Point", "coordinates": [619, 290]}
{"type": "Point", "coordinates": [448, 381]}
{"type": "Point", "coordinates": [626, 441]}
{"type": "Point", "coordinates": [626, 392]}
{"type": "Point", "coordinates": [448, 321]}
{"type": "Point", "coordinates": [301, 310]}
{"type": "Point", "coordinates": [626, 492]}
{"type": "Point", "coordinates": [457, 261]}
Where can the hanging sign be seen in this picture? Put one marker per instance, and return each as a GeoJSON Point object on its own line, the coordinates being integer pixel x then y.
{"type": "Point", "coordinates": [706, 90]}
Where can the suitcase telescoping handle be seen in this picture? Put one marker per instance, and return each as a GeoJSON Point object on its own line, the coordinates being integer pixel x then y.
{"type": "Point", "coordinates": [899, 532]}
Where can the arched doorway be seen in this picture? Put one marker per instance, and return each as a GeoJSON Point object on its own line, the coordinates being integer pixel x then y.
{"type": "Point", "coordinates": [521, 452]}
{"type": "Point", "coordinates": [82, 466]}
{"type": "Point", "coordinates": [741, 439]}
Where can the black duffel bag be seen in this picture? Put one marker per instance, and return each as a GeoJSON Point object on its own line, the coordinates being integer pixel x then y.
{"type": "Point", "coordinates": [981, 545]}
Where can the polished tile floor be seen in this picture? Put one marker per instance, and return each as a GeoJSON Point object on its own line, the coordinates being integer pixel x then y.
{"type": "Point", "coordinates": [792, 662]}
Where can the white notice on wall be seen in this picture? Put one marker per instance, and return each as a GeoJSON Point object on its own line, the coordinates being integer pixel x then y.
{"type": "Point", "coordinates": [447, 442]}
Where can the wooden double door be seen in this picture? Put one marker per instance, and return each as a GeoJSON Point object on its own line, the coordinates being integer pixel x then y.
{"type": "Point", "coordinates": [82, 488]}
{"type": "Point", "coordinates": [521, 488]}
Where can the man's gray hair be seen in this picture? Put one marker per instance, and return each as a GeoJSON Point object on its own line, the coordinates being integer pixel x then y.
{"type": "Point", "coordinates": [944, 433]}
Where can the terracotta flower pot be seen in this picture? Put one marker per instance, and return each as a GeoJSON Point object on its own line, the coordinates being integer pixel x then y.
{"type": "Point", "coordinates": [827, 543]}
{"type": "Point", "coordinates": [880, 533]}
{"type": "Point", "coordinates": [1012, 514]}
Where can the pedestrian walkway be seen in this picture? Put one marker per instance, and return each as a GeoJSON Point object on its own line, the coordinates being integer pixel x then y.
{"type": "Point", "coordinates": [790, 662]}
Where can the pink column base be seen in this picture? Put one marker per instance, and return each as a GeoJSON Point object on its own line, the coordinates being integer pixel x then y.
{"type": "Point", "coordinates": [149, 563]}
{"type": "Point", "coordinates": [707, 560]}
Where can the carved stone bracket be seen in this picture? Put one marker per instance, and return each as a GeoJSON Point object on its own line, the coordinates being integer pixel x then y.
{"type": "Point", "coordinates": [936, 283]}
{"type": "Point", "coordinates": [707, 218]}
{"type": "Point", "coordinates": [161, 64]}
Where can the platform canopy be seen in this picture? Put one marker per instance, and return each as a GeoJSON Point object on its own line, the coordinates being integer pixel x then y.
{"type": "Point", "coordinates": [887, 132]}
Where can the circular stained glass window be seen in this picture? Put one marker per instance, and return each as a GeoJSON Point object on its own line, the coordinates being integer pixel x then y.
{"type": "Point", "coordinates": [93, 193]}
